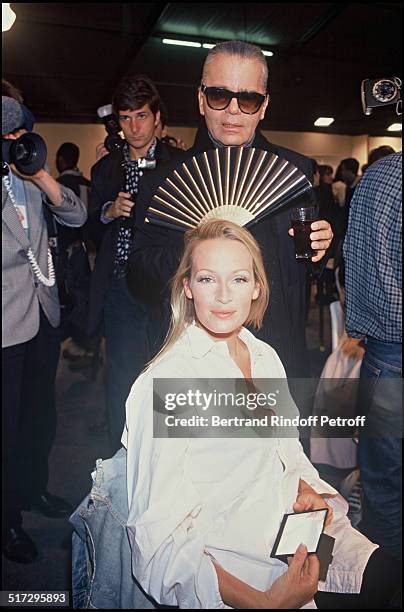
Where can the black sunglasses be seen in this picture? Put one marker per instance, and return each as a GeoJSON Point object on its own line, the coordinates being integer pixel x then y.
{"type": "Point", "coordinates": [218, 98]}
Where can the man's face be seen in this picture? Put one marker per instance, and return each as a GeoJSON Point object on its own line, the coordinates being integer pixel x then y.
{"type": "Point", "coordinates": [230, 126]}
{"type": "Point", "coordinates": [138, 127]}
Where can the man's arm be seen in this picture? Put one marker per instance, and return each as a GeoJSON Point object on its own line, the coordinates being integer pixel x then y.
{"type": "Point", "coordinates": [106, 182]}
{"type": "Point", "coordinates": [157, 250]}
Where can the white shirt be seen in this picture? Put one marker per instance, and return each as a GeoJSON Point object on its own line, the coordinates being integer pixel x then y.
{"type": "Point", "coordinates": [225, 496]}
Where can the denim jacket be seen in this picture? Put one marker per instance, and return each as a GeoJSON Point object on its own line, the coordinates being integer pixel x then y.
{"type": "Point", "coordinates": [101, 555]}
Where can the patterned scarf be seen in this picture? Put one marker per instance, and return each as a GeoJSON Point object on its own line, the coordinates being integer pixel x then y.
{"type": "Point", "coordinates": [132, 174]}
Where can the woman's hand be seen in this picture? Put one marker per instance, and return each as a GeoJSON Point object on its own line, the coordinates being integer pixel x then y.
{"type": "Point", "coordinates": [308, 499]}
{"type": "Point", "coordinates": [298, 585]}
{"type": "Point", "coordinates": [293, 589]}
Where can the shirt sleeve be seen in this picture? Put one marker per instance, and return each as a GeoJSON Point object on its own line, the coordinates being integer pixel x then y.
{"type": "Point", "coordinates": [179, 573]}
{"type": "Point", "coordinates": [309, 474]}
{"type": "Point", "coordinates": [166, 522]}
{"type": "Point", "coordinates": [104, 209]}
{"type": "Point", "coordinates": [72, 212]}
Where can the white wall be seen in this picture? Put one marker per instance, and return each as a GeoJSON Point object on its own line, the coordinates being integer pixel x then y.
{"type": "Point", "coordinates": [325, 148]}
{"type": "Point", "coordinates": [85, 136]}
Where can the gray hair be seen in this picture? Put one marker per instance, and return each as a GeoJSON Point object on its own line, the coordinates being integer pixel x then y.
{"type": "Point", "coordinates": [241, 49]}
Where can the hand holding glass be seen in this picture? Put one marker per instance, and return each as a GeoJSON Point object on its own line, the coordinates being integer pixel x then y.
{"type": "Point", "coordinates": [302, 218]}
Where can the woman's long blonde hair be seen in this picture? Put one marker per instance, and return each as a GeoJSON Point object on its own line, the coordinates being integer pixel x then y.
{"type": "Point", "coordinates": [182, 308]}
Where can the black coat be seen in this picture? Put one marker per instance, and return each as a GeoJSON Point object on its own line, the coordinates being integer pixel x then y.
{"type": "Point", "coordinates": [107, 180]}
{"type": "Point", "coordinates": [158, 250]}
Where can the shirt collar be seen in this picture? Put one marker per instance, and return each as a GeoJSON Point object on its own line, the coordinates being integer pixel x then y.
{"type": "Point", "coordinates": [201, 343]}
{"type": "Point", "coordinates": [151, 153]}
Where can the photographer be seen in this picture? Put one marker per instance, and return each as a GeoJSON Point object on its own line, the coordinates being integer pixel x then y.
{"type": "Point", "coordinates": [31, 316]}
{"type": "Point", "coordinates": [115, 180]}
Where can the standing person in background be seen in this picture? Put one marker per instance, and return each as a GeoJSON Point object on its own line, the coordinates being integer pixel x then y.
{"type": "Point", "coordinates": [76, 252]}
{"type": "Point", "coordinates": [339, 188]}
{"type": "Point", "coordinates": [324, 193]}
{"type": "Point", "coordinates": [67, 159]}
{"type": "Point", "coordinates": [349, 173]}
{"type": "Point", "coordinates": [115, 181]}
{"type": "Point", "coordinates": [329, 208]}
{"type": "Point", "coordinates": [161, 131]}
{"type": "Point", "coordinates": [379, 153]}
{"type": "Point", "coordinates": [316, 173]}
{"type": "Point", "coordinates": [373, 282]}
{"type": "Point", "coordinates": [31, 316]}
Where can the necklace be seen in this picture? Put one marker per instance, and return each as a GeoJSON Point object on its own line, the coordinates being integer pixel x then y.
{"type": "Point", "coordinates": [48, 282]}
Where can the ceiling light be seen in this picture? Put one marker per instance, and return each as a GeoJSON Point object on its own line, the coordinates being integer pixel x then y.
{"type": "Point", "coordinates": [324, 121]}
{"type": "Point", "coordinates": [395, 127]}
{"type": "Point", "coordinates": [181, 43]}
{"type": "Point", "coordinates": [8, 16]}
{"type": "Point", "coordinates": [188, 43]}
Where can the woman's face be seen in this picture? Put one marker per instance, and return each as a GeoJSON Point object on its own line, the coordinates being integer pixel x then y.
{"type": "Point", "coordinates": [222, 286]}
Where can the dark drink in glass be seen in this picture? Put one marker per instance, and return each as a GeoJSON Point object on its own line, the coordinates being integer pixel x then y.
{"type": "Point", "coordinates": [301, 219]}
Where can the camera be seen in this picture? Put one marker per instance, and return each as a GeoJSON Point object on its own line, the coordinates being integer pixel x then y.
{"type": "Point", "coordinates": [28, 153]}
{"type": "Point", "coordinates": [113, 141]}
{"type": "Point", "coordinates": [146, 164]}
{"type": "Point", "coordinates": [380, 92]}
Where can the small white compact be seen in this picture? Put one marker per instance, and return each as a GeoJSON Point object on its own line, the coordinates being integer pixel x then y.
{"type": "Point", "coordinates": [301, 528]}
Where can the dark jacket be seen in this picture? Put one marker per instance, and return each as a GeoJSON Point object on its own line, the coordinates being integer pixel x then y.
{"type": "Point", "coordinates": [158, 250]}
{"type": "Point", "coordinates": [107, 180]}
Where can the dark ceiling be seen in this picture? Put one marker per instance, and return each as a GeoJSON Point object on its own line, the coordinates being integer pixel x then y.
{"type": "Point", "coordinates": [68, 57]}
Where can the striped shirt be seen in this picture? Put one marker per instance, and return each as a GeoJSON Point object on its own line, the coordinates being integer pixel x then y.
{"type": "Point", "coordinates": [373, 254]}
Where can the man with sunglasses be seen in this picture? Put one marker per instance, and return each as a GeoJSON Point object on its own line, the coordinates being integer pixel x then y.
{"type": "Point", "coordinates": [233, 99]}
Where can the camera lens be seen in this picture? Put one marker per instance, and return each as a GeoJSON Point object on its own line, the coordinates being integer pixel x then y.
{"type": "Point", "coordinates": [24, 152]}
{"type": "Point", "coordinates": [384, 90]}
{"type": "Point", "coordinates": [113, 142]}
{"type": "Point", "coordinates": [28, 153]}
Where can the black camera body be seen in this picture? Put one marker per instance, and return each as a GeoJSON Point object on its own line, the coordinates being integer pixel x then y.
{"type": "Point", "coordinates": [27, 153]}
{"type": "Point", "coordinates": [380, 92]}
{"type": "Point", "coordinates": [110, 120]}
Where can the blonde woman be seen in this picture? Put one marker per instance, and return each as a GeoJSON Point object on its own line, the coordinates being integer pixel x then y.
{"type": "Point", "coordinates": [204, 513]}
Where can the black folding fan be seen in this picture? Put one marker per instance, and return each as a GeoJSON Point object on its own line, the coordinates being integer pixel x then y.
{"type": "Point", "coordinates": [234, 183]}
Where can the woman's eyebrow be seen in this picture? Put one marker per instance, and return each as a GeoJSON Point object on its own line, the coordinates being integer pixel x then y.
{"type": "Point", "coordinates": [232, 272]}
